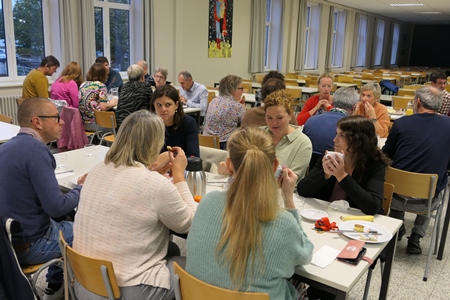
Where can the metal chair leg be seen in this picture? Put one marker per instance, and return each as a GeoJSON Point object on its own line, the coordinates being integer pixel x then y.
{"type": "Point", "coordinates": [366, 289]}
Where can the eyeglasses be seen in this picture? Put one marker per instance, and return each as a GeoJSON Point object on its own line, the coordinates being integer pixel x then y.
{"type": "Point", "coordinates": [444, 83]}
{"type": "Point", "coordinates": [58, 117]}
{"type": "Point", "coordinates": [158, 77]}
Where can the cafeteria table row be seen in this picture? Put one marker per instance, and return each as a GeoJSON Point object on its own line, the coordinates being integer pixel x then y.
{"type": "Point", "coordinates": [329, 278]}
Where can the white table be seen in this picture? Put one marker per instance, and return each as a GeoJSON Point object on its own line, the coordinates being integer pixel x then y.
{"type": "Point", "coordinates": [345, 84]}
{"type": "Point", "coordinates": [195, 111]}
{"type": "Point", "coordinates": [78, 161]}
{"type": "Point", "coordinates": [338, 278]}
{"type": "Point", "coordinates": [308, 91]}
{"type": "Point", "coordinates": [8, 131]}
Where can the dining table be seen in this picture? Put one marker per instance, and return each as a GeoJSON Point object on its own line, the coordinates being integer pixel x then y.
{"type": "Point", "coordinates": [337, 278]}
{"type": "Point", "coordinates": [8, 131]}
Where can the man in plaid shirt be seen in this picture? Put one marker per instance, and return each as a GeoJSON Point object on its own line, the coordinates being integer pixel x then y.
{"type": "Point", "coordinates": [439, 81]}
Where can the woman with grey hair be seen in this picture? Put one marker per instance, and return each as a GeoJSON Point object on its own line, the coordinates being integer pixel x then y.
{"type": "Point", "coordinates": [371, 108]}
{"type": "Point", "coordinates": [160, 76]}
{"type": "Point", "coordinates": [125, 202]}
{"type": "Point", "coordinates": [136, 94]}
{"type": "Point", "coordinates": [225, 113]}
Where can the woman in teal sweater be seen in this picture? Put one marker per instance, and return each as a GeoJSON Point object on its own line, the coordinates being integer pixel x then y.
{"type": "Point", "coordinates": [241, 239]}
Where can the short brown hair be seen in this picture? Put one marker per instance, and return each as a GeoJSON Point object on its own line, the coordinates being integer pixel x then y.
{"type": "Point", "coordinates": [97, 72]}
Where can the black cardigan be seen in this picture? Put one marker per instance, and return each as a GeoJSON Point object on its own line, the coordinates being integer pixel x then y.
{"type": "Point", "coordinates": [367, 195]}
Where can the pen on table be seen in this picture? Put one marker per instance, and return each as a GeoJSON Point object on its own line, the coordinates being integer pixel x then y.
{"type": "Point", "coordinates": [67, 171]}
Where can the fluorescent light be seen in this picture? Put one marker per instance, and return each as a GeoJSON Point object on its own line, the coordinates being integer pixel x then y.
{"type": "Point", "coordinates": [406, 4]}
{"type": "Point", "coordinates": [429, 12]}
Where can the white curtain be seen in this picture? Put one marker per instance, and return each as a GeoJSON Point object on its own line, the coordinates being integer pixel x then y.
{"type": "Point", "coordinates": [88, 36]}
{"type": "Point", "coordinates": [70, 12]}
{"type": "Point", "coordinates": [329, 53]}
{"type": "Point", "coordinates": [257, 30]}
{"type": "Point", "coordinates": [299, 63]}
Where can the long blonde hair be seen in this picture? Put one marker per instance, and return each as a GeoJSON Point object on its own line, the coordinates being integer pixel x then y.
{"type": "Point", "coordinates": [139, 140]}
{"type": "Point", "coordinates": [72, 72]}
{"type": "Point", "coordinates": [249, 203]}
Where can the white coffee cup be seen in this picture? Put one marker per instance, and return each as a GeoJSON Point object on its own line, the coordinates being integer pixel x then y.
{"type": "Point", "coordinates": [334, 153]}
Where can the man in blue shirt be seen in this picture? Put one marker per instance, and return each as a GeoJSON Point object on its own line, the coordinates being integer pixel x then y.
{"type": "Point", "coordinates": [29, 191]}
{"type": "Point", "coordinates": [193, 94]}
{"type": "Point", "coordinates": [321, 129]}
{"type": "Point", "coordinates": [114, 79]}
{"type": "Point", "coordinates": [420, 143]}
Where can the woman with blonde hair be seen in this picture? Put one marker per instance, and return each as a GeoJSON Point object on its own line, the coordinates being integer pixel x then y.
{"type": "Point", "coordinates": [126, 210]}
{"type": "Point", "coordinates": [66, 86]}
{"type": "Point", "coordinates": [242, 250]}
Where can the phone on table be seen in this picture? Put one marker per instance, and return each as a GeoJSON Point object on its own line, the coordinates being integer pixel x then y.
{"type": "Point", "coordinates": [354, 261]}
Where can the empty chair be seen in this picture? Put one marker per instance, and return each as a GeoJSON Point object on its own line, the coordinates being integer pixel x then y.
{"type": "Point", "coordinates": [105, 119]}
{"type": "Point", "coordinates": [94, 274]}
{"type": "Point", "coordinates": [367, 76]}
{"type": "Point", "coordinates": [5, 119]}
{"type": "Point", "coordinates": [211, 141]}
{"type": "Point", "coordinates": [400, 102]}
{"type": "Point", "coordinates": [259, 77]}
{"type": "Point", "coordinates": [191, 288]}
{"type": "Point", "coordinates": [406, 92]}
{"type": "Point", "coordinates": [247, 87]}
{"type": "Point", "coordinates": [345, 79]}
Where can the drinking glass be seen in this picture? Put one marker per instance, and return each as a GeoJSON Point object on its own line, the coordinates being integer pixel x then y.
{"type": "Point", "coordinates": [90, 150]}
{"type": "Point", "coordinates": [61, 161]}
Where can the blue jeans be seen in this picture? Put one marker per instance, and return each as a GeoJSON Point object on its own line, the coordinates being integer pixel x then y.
{"type": "Point", "coordinates": [46, 248]}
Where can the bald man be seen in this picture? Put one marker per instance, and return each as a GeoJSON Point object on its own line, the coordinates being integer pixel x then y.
{"type": "Point", "coordinates": [29, 191]}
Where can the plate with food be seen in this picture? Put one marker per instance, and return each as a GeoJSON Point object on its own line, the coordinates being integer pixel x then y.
{"type": "Point", "coordinates": [313, 214]}
{"type": "Point", "coordinates": [365, 231]}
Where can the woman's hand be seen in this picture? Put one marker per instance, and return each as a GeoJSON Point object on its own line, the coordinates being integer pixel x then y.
{"type": "Point", "coordinates": [179, 162]}
{"type": "Point", "coordinates": [222, 169]}
{"type": "Point", "coordinates": [287, 182]}
{"type": "Point", "coordinates": [81, 179]}
{"type": "Point", "coordinates": [333, 165]}
{"type": "Point", "coordinates": [162, 165]}
{"type": "Point", "coordinates": [370, 111]}
{"type": "Point", "coordinates": [322, 103]}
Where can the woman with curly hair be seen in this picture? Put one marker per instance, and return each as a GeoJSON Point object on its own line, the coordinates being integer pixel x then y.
{"type": "Point", "coordinates": [358, 177]}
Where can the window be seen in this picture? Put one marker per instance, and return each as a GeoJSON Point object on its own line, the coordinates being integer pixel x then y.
{"type": "Point", "coordinates": [379, 39]}
{"type": "Point", "coordinates": [272, 47]}
{"type": "Point", "coordinates": [395, 38]}
{"type": "Point", "coordinates": [312, 35]}
{"type": "Point", "coordinates": [113, 31]}
{"type": "Point", "coordinates": [337, 50]}
{"type": "Point", "coordinates": [28, 24]}
{"type": "Point", "coordinates": [361, 42]}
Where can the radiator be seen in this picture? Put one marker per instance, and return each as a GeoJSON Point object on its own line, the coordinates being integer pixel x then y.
{"type": "Point", "coordinates": [8, 106]}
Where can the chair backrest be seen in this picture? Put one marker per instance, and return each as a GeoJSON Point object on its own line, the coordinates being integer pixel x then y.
{"type": "Point", "coordinates": [259, 77]}
{"type": "Point", "coordinates": [310, 82]}
{"type": "Point", "coordinates": [291, 81]}
{"type": "Point", "coordinates": [410, 184]}
{"type": "Point", "coordinates": [405, 92]}
{"type": "Point", "coordinates": [192, 288]}
{"type": "Point", "coordinates": [295, 93]}
{"type": "Point", "coordinates": [211, 158]}
{"type": "Point", "coordinates": [400, 102]}
{"type": "Point", "coordinates": [345, 79]}
{"type": "Point", "coordinates": [211, 141]}
{"type": "Point", "coordinates": [247, 87]}
{"type": "Point", "coordinates": [19, 101]}
{"type": "Point", "coordinates": [367, 76]}
{"type": "Point", "coordinates": [95, 275]}
{"type": "Point", "coordinates": [211, 96]}
{"type": "Point", "coordinates": [388, 192]}
{"type": "Point", "coordinates": [106, 119]}
{"type": "Point", "coordinates": [5, 119]}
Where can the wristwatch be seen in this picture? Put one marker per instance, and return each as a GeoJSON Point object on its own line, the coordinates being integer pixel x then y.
{"type": "Point", "coordinates": [374, 120]}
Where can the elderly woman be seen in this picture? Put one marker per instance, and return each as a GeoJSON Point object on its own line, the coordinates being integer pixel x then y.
{"type": "Point", "coordinates": [246, 229]}
{"type": "Point", "coordinates": [225, 113]}
{"type": "Point", "coordinates": [92, 95]}
{"type": "Point", "coordinates": [160, 76]}
{"type": "Point", "coordinates": [66, 86]}
{"type": "Point", "coordinates": [181, 129]}
{"type": "Point", "coordinates": [318, 104]}
{"type": "Point", "coordinates": [126, 210]}
{"type": "Point", "coordinates": [358, 177]}
{"type": "Point", "coordinates": [371, 108]}
{"type": "Point", "coordinates": [135, 94]}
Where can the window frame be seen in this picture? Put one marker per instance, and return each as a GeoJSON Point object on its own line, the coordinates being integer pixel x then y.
{"type": "Point", "coordinates": [273, 46]}
{"type": "Point", "coordinates": [338, 44]}
{"type": "Point", "coordinates": [312, 36]}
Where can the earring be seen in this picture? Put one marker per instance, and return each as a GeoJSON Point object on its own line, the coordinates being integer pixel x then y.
{"type": "Point", "coordinates": [176, 110]}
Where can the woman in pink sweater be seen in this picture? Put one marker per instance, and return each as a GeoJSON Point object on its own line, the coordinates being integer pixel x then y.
{"type": "Point", "coordinates": [66, 86]}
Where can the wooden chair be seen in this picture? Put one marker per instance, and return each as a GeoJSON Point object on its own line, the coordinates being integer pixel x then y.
{"type": "Point", "coordinates": [291, 76]}
{"type": "Point", "coordinates": [247, 87]}
{"type": "Point", "coordinates": [211, 141]}
{"type": "Point", "coordinates": [369, 76]}
{"type": "Point", "coordinates": [310, 82]}
{"type": "Point", "coordinates": [95, 275]}
{"type": "Point", "coordinates": [31, 272]}
{"type": "Point", "coordinates": [406, 92]}
{"type": "Point", "coordinates": [400, 102]}
{"type": "Point", "coordinates": [211, 96]}
{"type": "Point", "coordinates": [5, 119]}
{"type": "Point", "coordinates": [259, 77]}
{"type": "Point", "coordinates": [345, 79]}
{"type": "Point", "coordinates": [190, 288]}
{"type": "Point", "coordinates": [106, 119]}
{"type": "Point", "coordinates": [419, 186]}
{"type": "Point", "coordinates": [19, 101]}
{"type": "Point", "coordinates": [290, 81]}
{"type": "Point", "coordinates": [297, 95]}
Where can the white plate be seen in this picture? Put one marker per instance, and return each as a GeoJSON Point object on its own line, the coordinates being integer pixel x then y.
{"type": "Point", "coordinates": [349, 225]}
{"type": "Point", "coordinates": [313, 214]}
{"type": "Point", "coordinates": [74, 181]}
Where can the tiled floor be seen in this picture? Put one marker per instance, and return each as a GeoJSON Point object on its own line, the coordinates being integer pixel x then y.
{"type": "Point", "coordinates": [407, 271]}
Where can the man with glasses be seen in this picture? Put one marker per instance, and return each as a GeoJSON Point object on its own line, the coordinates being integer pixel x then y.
{"type": "Point", "coordinates": [36, 82]}
{"type": "Point", "coordinates": [29, 191]}
{"type": "Point", "coordinates": [193, 94]}
{"type": "Point", "coordinates": [439, 81]}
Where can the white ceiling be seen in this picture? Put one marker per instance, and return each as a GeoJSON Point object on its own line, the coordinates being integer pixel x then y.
{"type": "Point", "coordinates": [410, 14]}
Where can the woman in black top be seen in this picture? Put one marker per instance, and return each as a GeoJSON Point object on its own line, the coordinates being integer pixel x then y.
{"type": "Point", "coordinates": [359, 177]}
{"type": "Point", "coordinates": [181, 129]}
